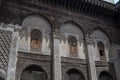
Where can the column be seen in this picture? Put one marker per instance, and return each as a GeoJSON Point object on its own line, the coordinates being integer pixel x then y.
{"type": "Point", "coordinates": [115, 58]}
{"type": "Point", "coordinates": [11, 71]}
{"type": "Point", "coordinates": [56, 56]}
{"type": "Point", "coordinates": [92, 75]}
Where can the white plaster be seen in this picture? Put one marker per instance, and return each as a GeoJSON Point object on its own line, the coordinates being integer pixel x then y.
{"type": "Point", "coordinates": [11, 68]}
{"type": "Point", "coordinates": [57, 60]}
{"type": "Point", "coordinates": [7, 27]}
{"type": "Point", "coordinates": [2, 73]}
{"type": "Point", "coordinates": [92, 68]}
{"type": "Point", "coordinates": [11, 71]}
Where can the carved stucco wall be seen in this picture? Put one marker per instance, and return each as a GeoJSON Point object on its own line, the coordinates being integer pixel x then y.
{"type": "Point", "coordinates": [35, 22]}
{"type": "Point", "coordinates": [5, 44]}
{"type": "Point", "coordinates": [98, 35]}
{"type": "Point", "coordinates": [5, 39]}
{"type": "Point", "coordinates": [71, 29]}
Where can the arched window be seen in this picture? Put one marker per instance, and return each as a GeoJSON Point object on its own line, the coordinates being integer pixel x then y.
{"type": "Point", "coordinates": [101, 50]}
{"type": "Point", "coordinates": [74, 74]}
{"type": "Point", "coordinates": [33, 72]}
{"type": "Point", "coordinates": [36, 40]}
{"type": "Point", "coordinates": [72, 42]}
{"type": "Point", "coordinates": [105, 76]}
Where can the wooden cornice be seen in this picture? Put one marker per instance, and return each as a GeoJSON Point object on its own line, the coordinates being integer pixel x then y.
{"type": "Point", "coordinates": [96, 8]}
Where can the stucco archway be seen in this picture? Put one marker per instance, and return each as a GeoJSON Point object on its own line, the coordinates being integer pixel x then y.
{"type": "Point", "coordinates": [104, 75]}
{"type": "Point", "coordinates": [99, 36]}
{"type": "Point", "coordinates": [33, 72]}
{"type": "Point", "coordinates": [68, 29]}
{"type": "Point", "coordinates": [74, 74]}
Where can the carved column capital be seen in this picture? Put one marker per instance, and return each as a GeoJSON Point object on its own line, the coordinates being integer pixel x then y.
{"type": "Point", "coordinates": [89, 39]}
{"type": "Point", "coordinates": [56, 33]}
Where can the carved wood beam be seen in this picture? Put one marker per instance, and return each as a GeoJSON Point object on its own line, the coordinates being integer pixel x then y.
{"type": "Point", "coordinates": [90, 7]}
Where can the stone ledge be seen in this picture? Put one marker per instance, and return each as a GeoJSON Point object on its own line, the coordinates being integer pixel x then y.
{"type": "Point", "coordinates": [34, 56]}
{"type": "Point", "coordinates": [73, 60]}
{"type": "Point", "coordinates": [103, 64]}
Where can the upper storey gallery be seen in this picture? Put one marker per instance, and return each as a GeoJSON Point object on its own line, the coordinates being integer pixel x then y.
{"type": "Point", "coordinates": [72, 19]}
{"type": "Point", "coordinates": [37, 33]}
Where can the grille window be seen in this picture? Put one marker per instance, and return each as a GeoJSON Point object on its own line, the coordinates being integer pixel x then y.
{"type": "Point", "coordinates": [36, 39]}
{"type": "Point", "coordinates": [72, 42]}
{"type": "Point", "coordinates": [101, 50]}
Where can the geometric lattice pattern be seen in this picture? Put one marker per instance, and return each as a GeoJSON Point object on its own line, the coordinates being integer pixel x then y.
{"type": "Point", "coordinates": [5, 40]}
